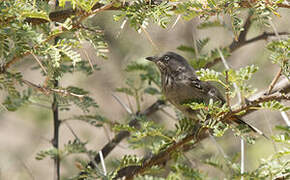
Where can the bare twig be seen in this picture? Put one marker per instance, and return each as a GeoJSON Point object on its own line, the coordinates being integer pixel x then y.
{"type": "Point", "coordinates": [103, 162]}
{"type": "Point", "coordinates": [89, 59]}
{"type": "Point", "coordinates": [149, 38]}
{"type": "Point", "coordinates": [129, 111]}
{"type": "Point", "coordinates": [39, 62]}
{"type": "Point", "coordinates": [46, 90]}
{"type": "Point", "coordinates": [242, 40]}
{"type": "Point", "coordinates": [274, 81]}
{"type": "Point", "coordinates": [285, 118]}
{"type": "Point", "coordinates": [227, 90]}
{"type": "Point", "coordinates": [176, 21]}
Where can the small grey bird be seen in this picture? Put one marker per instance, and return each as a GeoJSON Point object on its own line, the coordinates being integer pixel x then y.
{"type": "Point", "coordinates": [180, 84]}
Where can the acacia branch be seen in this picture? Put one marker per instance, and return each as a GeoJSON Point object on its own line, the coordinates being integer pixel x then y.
{"type": "Point", "coordinates": [107, 149]}
{"type": "Point", "coordinates": [58, 16]}
{"type": "Point", "coordinates": [164, 156]}
{"type": "Point", "coordinates": [55, 140]}
{"type": "Point", "coordinates": [238, 44]}
{"type": "Point", "coordinates": [241, 41]}
{"type": "Point", "coordinates": [46, 90]}
{"type": "Point", "coordinates": [51, 37]}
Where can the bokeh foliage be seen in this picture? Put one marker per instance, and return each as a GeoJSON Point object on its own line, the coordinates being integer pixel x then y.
{"type": "Point", "coordinates": [27, 29]}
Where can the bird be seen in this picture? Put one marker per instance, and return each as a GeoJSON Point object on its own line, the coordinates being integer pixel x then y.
{"type": "Point", "coordinates": [180, 84]}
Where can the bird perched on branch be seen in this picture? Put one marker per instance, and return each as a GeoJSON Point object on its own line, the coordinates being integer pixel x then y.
{"type": "Point", "coordinates": [180, 84]}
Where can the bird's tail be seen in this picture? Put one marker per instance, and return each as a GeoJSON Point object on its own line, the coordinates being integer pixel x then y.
{"type": "Point", "coordinates": [253, 128]}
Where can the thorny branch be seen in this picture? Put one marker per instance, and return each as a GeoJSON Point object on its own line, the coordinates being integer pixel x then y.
{"type": "Point", "coordinates": [46, 90]}
{"type": "Point", "coordinates": [241, 41]}
{"type": "Point", "coordinates": [162, 157]}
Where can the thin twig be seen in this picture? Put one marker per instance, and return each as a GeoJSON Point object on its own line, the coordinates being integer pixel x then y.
{"type": "Point", "coordinates": [236, 45]}
{"type": "Point", "coordinates": [149, 38]}
{"type": "Point", "coordinates": [129, 111]}
{"type": "Point", "coordinates": [240, 103]}
{"type": "Point", "coordinates": [103, 162]}
{"type": "Point", "coordinates": [254, 105]}
{"type": "Point", "coordinates": [274, 81]}
{"type": "Point", "coordinates": [46, 90]}
{"type": "Point", "coordinates": [39, 62]}
{"type": "Point", "coordinates": [227, 90]}
{"type": "Point", "coordinates": [285, 118]}
{"type": "Point", "coordinates": [89, 59]}
{"type": "Point", "coordinates": [86, 150]}
{"type": "Point", "coordinates": [176, 21]}
{"type": "Point", "coordinates": [95, 11]}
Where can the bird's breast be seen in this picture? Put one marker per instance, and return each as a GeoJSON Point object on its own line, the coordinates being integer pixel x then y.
{"type": "Point", "coordinates": [177, 91]}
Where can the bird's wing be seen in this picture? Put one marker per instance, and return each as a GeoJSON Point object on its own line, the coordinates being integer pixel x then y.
{"type": "Point", "coordinates": [214, 93]}
{"type": "Point", "coordinates": [208, 90]}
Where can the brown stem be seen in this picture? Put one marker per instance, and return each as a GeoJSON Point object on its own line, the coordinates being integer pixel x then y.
{"type": "Point", "coordinates": [238, 44]}
{"type": "Point", "coordinates": [46, 90]}
{"type": "Point", "coordinates": [55, 140]}
{"type": "Point", "coordinates": [227, 89]}
{"type": "Point", "coordinates": [274, 81]}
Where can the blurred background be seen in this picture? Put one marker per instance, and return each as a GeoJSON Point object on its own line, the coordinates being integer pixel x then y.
{"type": "Point", "coordinates": [25, 132]}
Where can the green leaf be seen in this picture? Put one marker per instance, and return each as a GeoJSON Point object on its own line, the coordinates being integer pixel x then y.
{"type": "Point", "coordinates": [210, 75]}
{"type": "Point", "coordinates": [52, 153]}
{"type": "Point", "coordinates": [94, 120]}
{"type": "Point", "coordinates": [274, 105]}
{"type": "Point", "coordinates": [210, 24]}
{"type": "Point", "coordinates": [151, 91]}
{"type": "Point", "coordinates": [35, 14]}
{"type": "Point", "coordinates": [127, 91]}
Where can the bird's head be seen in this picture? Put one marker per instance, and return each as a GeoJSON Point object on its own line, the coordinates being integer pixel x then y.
{"type": "Point", "coordinates": [170, 62]}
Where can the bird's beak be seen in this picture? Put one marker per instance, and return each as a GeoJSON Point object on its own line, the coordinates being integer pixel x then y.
{"type": "Point", "coordinates": [152, 58]}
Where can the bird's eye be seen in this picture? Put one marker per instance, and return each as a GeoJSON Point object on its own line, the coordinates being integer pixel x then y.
{"type": "Point", "coordinates": [166, 58]}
